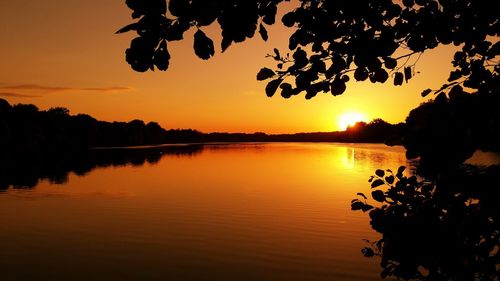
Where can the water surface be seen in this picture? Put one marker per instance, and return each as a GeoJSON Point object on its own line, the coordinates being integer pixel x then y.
{"type": "Point", "coordinates": [210, 212]}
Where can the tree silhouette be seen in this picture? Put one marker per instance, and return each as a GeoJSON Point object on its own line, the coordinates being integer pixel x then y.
{"type": "Point", "coordinates": [25, 128]}
{"type": "Point", "coordinates": [370, 40]}
{"type": "Point", "coordinates": [436, 230]}
{"type": "Point", "coordinates": [334, 42]}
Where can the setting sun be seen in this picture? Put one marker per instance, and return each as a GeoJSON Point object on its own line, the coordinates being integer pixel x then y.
{"type": "Point", "coordinates": [350, 118]}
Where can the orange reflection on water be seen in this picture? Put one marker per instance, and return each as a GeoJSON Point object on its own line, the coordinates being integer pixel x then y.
{"type": "Point", "coordinates": [231, 212]}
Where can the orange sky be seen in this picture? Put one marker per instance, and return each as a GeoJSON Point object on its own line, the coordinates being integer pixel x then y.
{"type": "Point", "coordinates": [65, 53]}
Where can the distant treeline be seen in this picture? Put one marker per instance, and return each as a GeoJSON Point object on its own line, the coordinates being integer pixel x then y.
{"type": "Point", "coordinates": [376, 131]}
{"type": "Point", "coordinates": [25, 127]}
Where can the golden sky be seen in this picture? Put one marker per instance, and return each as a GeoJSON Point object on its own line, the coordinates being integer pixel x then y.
{"type": "Point", "coordinates": [65, 53]}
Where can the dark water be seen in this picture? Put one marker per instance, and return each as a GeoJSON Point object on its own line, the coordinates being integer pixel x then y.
{"type": "Point", "coordinates": [215, 212]}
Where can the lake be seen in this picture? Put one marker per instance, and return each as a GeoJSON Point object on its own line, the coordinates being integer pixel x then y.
{"type": "Point", "coordinates": [278, 211]}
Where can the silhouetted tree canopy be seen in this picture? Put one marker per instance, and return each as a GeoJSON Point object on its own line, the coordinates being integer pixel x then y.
{"type": "Point", "coordinates": [430, 233]}
{"type": "Point", "coordinates": [445, 132]}
{"type": "Point", "coordinates": [332, 42]}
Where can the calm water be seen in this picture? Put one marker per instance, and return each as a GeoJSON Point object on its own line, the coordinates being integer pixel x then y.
{"type": "Point", "coordinates": [217, 212]}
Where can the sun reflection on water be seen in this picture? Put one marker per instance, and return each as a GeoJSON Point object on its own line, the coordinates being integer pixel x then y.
{"type": "Point", "coordinates": [348, 158]}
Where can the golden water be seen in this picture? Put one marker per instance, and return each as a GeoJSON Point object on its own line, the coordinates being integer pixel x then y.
{"type": "Point", "coordinates": [277, 212]}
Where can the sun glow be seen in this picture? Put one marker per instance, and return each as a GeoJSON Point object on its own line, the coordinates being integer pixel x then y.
{"type": "Point", "coordinates": [350, 118]}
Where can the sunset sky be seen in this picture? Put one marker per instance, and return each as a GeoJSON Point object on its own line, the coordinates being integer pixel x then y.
{"type": "Point", "coordinates": [65, 53]}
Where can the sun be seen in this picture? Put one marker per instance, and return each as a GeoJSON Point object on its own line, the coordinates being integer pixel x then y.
{"type": "Point", "coordinates": [350, 118]}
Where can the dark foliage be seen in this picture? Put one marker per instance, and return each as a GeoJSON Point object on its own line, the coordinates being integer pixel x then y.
{"type": "Point", "coordinates": [430, 233]}
{"type": "Point", "coordinates": [24, 127]}
{"type": "Point", "coordinates": [378, 131]}
{"type": "Point", "coordinates": [373, 40]}
{"type": "Point", "coordinates": [447, 131]}
{"type": "Point", "coordinates": [447, 225]}
{"type": "Point", "coordinates": [157, 25]}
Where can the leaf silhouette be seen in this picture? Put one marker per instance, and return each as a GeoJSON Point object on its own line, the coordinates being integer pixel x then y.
{"type": "Point", "coordinates": [270, 15]}
{"type": "Point", "coordinates": [378, 195]}
{"type": "Point", "coordinates": [381, 75]}
{"type": "Point", "coordinates": [399, 174]}
{"type": "Point", "coordinates": [454, 75]}
{"type": "Point", "coordinates": [286, 90]}
{"type": "Point", "coordinates": [398, 79]}
{"type": "Point", "coordinates": [362, 195]}
{"type": "Point", "coordinates": [277, 53]}
{"type": "Point", "coordinates": [425, 92]}
{"type": "Point", "coordinates": [140, 54]}
{"type": "Point", "coordinates": [379, 172]}
{"type": "Point", "coordinates": [408, 74]}
{"type": "Point", "coordinates": [263, 32]}
{"type": "Point", "coordinates": [203, 46]}
{"type": "Point", "coordinates": [130, 27]}
{"type": "Point", "coordinates": [358, 205]}
{"type": "Point", "coordinates": [338, 87]}
{"type": "Point", "coordinates": [389, 179]}
{"type": "Point", "coordinates": [288, 19]}
{"type": "Point", "coordinates": [162, 57]}
{"type": "Point", "coordinates": [265, 73]}
{"type": "Point", "coordinates": [377, 182]}
{"type": "Point", "coordinates": [360, 74]}
{"type": "Point", "coordinates": [390, 63]}
{"type": "Point", "coordinates": [272, 87]}
{"type": "Point", "coordinates": [226, 42]}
